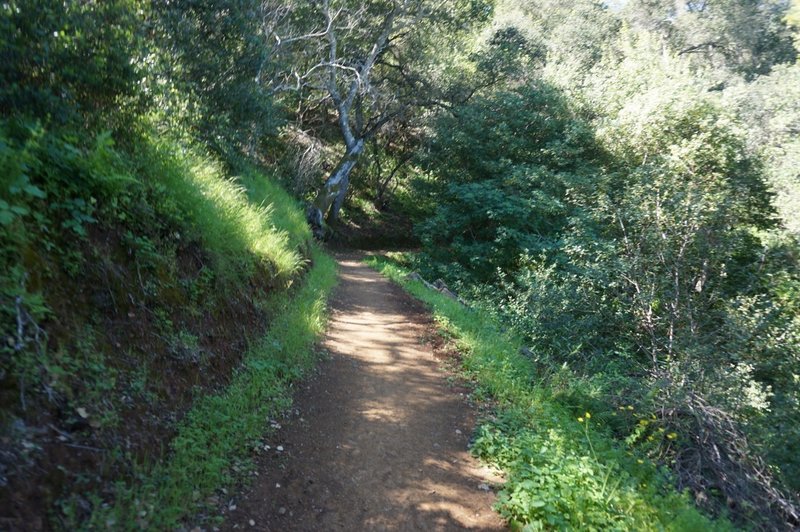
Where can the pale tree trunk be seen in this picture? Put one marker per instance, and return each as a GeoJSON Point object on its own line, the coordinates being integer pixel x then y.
{"type": "Point", "coordinates": [331, 196]}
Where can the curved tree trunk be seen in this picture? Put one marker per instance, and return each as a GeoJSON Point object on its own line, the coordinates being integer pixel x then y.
{"type": "Point", "coordinates": [331, 196]}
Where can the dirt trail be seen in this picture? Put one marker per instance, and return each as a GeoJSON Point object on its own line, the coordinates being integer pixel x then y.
{"type": "Point", "coordinates": [379, 439]}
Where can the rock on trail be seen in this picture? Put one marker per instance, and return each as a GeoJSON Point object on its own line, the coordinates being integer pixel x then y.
{"type": "Point", "coordinates": [379, 440]}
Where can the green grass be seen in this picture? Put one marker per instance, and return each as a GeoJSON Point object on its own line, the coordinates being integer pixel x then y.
{"type": "Point", "coordinates": [219, 432]}
{"type": "Point", "coordinates": [287, 214]}
{"type": "Point", "coordinates": [159, 188]}
{"type": "Point", "coordinates": [241, 221]}
{"type": "Point", "coordinates": [564, 471]}
{"type": "Point", "coordinates": [180, 237]}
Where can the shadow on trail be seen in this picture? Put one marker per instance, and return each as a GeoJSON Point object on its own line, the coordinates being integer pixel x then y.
{"type": "Point", "coordinates": [381, 441]}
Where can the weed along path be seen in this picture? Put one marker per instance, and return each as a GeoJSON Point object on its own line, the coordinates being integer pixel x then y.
{"type": "Point", "coordinates": [378, 439]}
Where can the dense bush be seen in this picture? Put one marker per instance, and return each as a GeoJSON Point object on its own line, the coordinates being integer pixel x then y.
{"type": "Point", "coordinates": [68, 61]}
{"type": "Point", "coordinates": [506, 163]}
{"type": "Point", "coordinates": [638, 253]}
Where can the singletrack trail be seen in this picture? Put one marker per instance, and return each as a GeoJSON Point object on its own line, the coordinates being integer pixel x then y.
{"type": "Point", "coordinates": [379, 439]}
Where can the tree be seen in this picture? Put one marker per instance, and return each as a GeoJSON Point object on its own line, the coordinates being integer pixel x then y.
{"type": "Point", "coordinates": [793, 21]}
{"type": "Point", "coordinates": [209, 54]}
{"type": "Point", "coordinates": [366, 61]}
{"type": "Point", "coordinates": [569, 37]}
{"type": "Point", "coordinates": [742, 36]}
{"type": "Point", "coordinates": [505, 163]}
{"type": "Point", "coordinates": [72, 62]}
{"type": "Point", "coordinates": [770, 106]}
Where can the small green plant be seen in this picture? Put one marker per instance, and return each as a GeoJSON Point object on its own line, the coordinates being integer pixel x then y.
{"type": "Point", "coordinates": [139, 384]}
{"type": "Point", "coordinates": [564, 471]}
{"type": "Point", "coordinates": [185, 346]}
{"type": "Point", "coordinates": [215, 438]}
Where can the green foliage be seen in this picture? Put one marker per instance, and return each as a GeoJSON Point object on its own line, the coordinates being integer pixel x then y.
{"type": "Point", "coordinates": [198, 200]}
{"type": "Point", "coordinates": [220, 430]}
{"type": "Point", "coordinates": [123, 248]}
{"type": "Point", "coordinates": [506, 162]}
{"type": "Point", "coordinates": [52, 191]}
{"type": "Point", "coordinates": [792, 20]}
{"type": "Point", "coordinates": [601, 181]}
{"type": "Point", "coordinates": [490, 135]}
{"type": "Point", "coordinates": [56, 190]}
{"type": "Point", "coordinates": [633, 247]}
{"type": "Point", "coordinates": [70, 60]}
{"type": "Point", "coordinates": [772, 105]}
{"type": "Point", "coordinates": [285, 213]}
{"type": "Point", "coordinates": [682, 225]}
{"type": "Point", "coordinates": [68, 198]}
{"type": "Point", "coordinates": [564, 471]}
{"type": "Point", "coordinates": [745, 37]}
{"type": "Point", "coordinates": [123, 243]}
{"type": "Point", "coordinates": [60, 188]}
{"type": "Point", "coordinates": [556, 484]}
{"type": "Point", "coordinates": [569, 39]}
{"type": "Point", "coordinates": [101, 65]}
{"type": "Point", "coordinates": [215, 57]}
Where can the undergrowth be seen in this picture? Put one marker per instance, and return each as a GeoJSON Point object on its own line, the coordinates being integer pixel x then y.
{"type": "Point", "coordinates": [563, 468]}
{"type": "Point", "coordinates": [218, 434]}
{"type": "Point", "coordinates": [239, 219]}
{"type": "Point", "coordinates": [132, 278]}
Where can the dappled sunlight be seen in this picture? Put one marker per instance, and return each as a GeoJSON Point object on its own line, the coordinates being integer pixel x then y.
{"type": "Point", "coordinates": [386, 441]}
{"type": "Point", "coordinates": [397, 392]}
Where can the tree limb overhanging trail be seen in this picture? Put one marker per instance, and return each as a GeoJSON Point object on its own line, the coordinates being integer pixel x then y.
{"type": "Point", "coordinates": [379, 439]}
{"type": "Point", "coordinates": [331, 195]}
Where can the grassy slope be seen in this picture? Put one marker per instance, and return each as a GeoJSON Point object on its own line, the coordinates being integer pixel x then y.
{"type": "Point", "coordinates": [166, 304]}
{"type": "Point", "coordinates": [563, 469]}
{"type": "Point", "coordinates": [220, 431]}
{"type": "Point", "coordinates": [246, 219]}
{"type": "Point", "coordinates": [240, 219]}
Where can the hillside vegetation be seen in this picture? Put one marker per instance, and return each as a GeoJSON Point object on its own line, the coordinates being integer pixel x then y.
{"type": "Point", "coordinates": [625, 200]}
{"type": "Point", "coordinates": [159, 290]}
{"type": "Point", "coordinates": [616, 183]}
{"type": "Point", "coordinates": [564, 470]}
